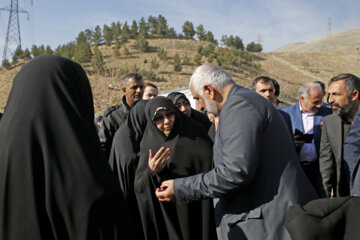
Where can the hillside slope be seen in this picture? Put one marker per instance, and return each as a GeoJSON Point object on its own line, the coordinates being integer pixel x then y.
{"type": "Point", "coordinates": [290, 69]}
{"type": "Point", "coordinates": [344, 41]}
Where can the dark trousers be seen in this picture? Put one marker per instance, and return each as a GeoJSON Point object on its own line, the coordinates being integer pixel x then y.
{"type": "Point", "coordinates": [312, 171]}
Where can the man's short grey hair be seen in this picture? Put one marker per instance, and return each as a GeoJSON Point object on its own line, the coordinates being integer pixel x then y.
{"type": "Point", "coordinates": [305, 88]}
{"type": "Point", "coordinates": [210, 74]}
{"type": "Point", "coordinates": [133, 75]}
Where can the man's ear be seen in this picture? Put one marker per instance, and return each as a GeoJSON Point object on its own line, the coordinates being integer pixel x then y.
{"type": "Point", "coordinates": [355, 95]}
{"type": "Point", "coordinates": [209, 92]}
{"type": "Point", "coordinates": [302, 98]}
{"type": "Point", "coordinates": [124, 90]}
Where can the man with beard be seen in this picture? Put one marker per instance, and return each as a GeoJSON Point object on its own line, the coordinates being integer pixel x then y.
{"type": "Point", "coordinates": [256, 174]}
{"type": "Point", "coordinates": [133, 89]}
{"type": "Point", "coordinates": [344, 100]}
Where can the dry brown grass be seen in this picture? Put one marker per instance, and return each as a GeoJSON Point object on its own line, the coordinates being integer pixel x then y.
{"type": "Point", "coordinates": [289, 68]}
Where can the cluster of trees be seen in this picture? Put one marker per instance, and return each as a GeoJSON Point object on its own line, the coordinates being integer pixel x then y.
{"type": "Point", "coordinates": [154, 27]}
{"type": "Point", "coordinates": [235, 42]}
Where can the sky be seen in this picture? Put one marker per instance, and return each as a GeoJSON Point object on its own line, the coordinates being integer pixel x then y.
{"type": "Point", "coordinates": [273, 23]}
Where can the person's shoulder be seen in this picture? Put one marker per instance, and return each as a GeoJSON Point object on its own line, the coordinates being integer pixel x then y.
{"type": "Point", "coordinates": [331, 117]}
{"type": "Point", "coordinates": [289, 108]}
{"type": "Point", "coordinates": [241, 94]}
{"type": "Point", "coordinates": [324, 111]}
{"type": "Point", "coordinates": [111, 109]}
{"type": "Point", "coordinates": [280, 104]}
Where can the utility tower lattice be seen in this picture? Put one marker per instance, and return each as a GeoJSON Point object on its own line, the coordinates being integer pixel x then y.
{"type": "Point", "coordinates": [329, 28]}
{"type": "Point", "coordinates": [13, 29]}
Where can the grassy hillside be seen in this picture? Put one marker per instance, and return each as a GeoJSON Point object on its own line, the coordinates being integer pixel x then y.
{"type": "Point", "coordinates": [289, 68]}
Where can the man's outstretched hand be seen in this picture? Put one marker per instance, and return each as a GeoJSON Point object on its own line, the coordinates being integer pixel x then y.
{"type": "Point", "coordinates": [166, 191]}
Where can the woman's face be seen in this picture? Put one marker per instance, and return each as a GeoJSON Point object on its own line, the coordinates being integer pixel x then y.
{"type": "Point", "coordinates": [164, 120]}
{"type": "Point", "coordinates": [184, 106]}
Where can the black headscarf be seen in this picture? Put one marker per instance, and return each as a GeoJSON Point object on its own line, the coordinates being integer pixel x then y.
{"type": "Point", "coordinates": [195, 115]}
{"type": "Point", "coordinates": [54, 180]}
{"type": "Point", "coordinates": [191, 153]}
{"type": "Point", "coordinates": [124, 158]}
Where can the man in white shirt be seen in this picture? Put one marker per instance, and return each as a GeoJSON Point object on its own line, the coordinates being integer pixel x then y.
{"type": "Point", "coordinates": [306, 118]}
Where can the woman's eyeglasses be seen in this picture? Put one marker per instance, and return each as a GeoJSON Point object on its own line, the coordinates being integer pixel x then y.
{"type": "Point", "coordinates": [161, 117]}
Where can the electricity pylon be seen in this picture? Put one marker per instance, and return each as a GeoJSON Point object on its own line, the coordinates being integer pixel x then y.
{"type": "Point", "coordinates": [13, 30]}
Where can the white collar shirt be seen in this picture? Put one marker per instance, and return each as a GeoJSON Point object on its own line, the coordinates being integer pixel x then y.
{"type": "Point", "coordinates": [308, 150]}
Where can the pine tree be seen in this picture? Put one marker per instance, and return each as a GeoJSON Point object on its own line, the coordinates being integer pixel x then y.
{"type": "Point", "coordinates": [48, 50]}
{"type": "Point", "coordinates": [152, 24]}
{"type": "Point", "coordinates": [177, 63]}
{"type": "Point", "coordinates": [116, 29]}
{"type": "Point", "coordinates": [154, 64]}
{"type": "Point", "coordinates": [126, 51]}
{"type": "Point", "coordinates": [198, 59]}
{"type": "Point", "coordinates": [89, 36]}
{"type": "Point", "coordinates": [81, 38]}
{"type": "Point", "coordinates": [188, 30]}
{"type": "Point", "coordinates": [17, 54]}
{"type": "Point", "coordinates": [238, 43]}
{"type": "Point", "coordinates": [142, 44]}
{"type": "Point", "coordinates": [134, 29]}
{"type": "Point", "coordinates": [97, 37]}
{"type": "Point", "coordinates": [98, 61]}
{"type": "Point", "coordinates": [125, 30]}
{"type": "Point", "coordinates": [209, 37]}
{"type": "Point", "coordinates": [82, 52]}
{"type": "Point", "coordinates": [143, 28]}
{"type": "Point", "coordinates": [162, 26]}
{"type": "Point", "coordinates": [200, 32]}
{"type": "Point", "coordinates": [108, 35]}
{"type": "Point", "coordinates": [6, 64]}
{"type": "Point", "coordinates": [224, 39]}
{"type": "Point", "coordinates": [42, 50]}
{"type": "Point", "coordinates": [254, 47]}
{"type": "Point", "coordinates": [171, 33]}
{"type": "Point", "coordinates": [35, 51]}
{"type": "Point", "coordinates": [162, 54]}
{"type": "Point", "coordinates": [26, 54]}
{"type": "Point", "coordinates": [186, 60]}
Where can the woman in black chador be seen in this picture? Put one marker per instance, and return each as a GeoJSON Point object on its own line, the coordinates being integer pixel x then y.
{"type": "Point", "coordinates": [55, 182]}
{"type": "Point", "coordinates": [172, 146]}
{"type": "Point", "coordinates": [124, 158]}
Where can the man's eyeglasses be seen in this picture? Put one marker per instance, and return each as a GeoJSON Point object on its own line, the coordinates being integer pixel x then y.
{"type": "Point", "coordinates": [161, 117]}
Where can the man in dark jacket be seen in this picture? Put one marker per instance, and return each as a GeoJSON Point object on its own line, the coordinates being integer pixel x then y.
{"type": "Point", "coordinates": [256, 174]}
{"type": "Point", "coordinates": [343, 97]}
{"type": "Point", "coordinates": [133, 89]}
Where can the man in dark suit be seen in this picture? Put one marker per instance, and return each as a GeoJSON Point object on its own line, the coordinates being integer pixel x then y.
{"type": "Point", "coordinates": [352, 156]}
{"type": "Point", "coordinates": [256, 174]}
{"type": "Point", "coordinates": [344, 91]}
{"type": "Point", "coordinates": [306, 118]}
